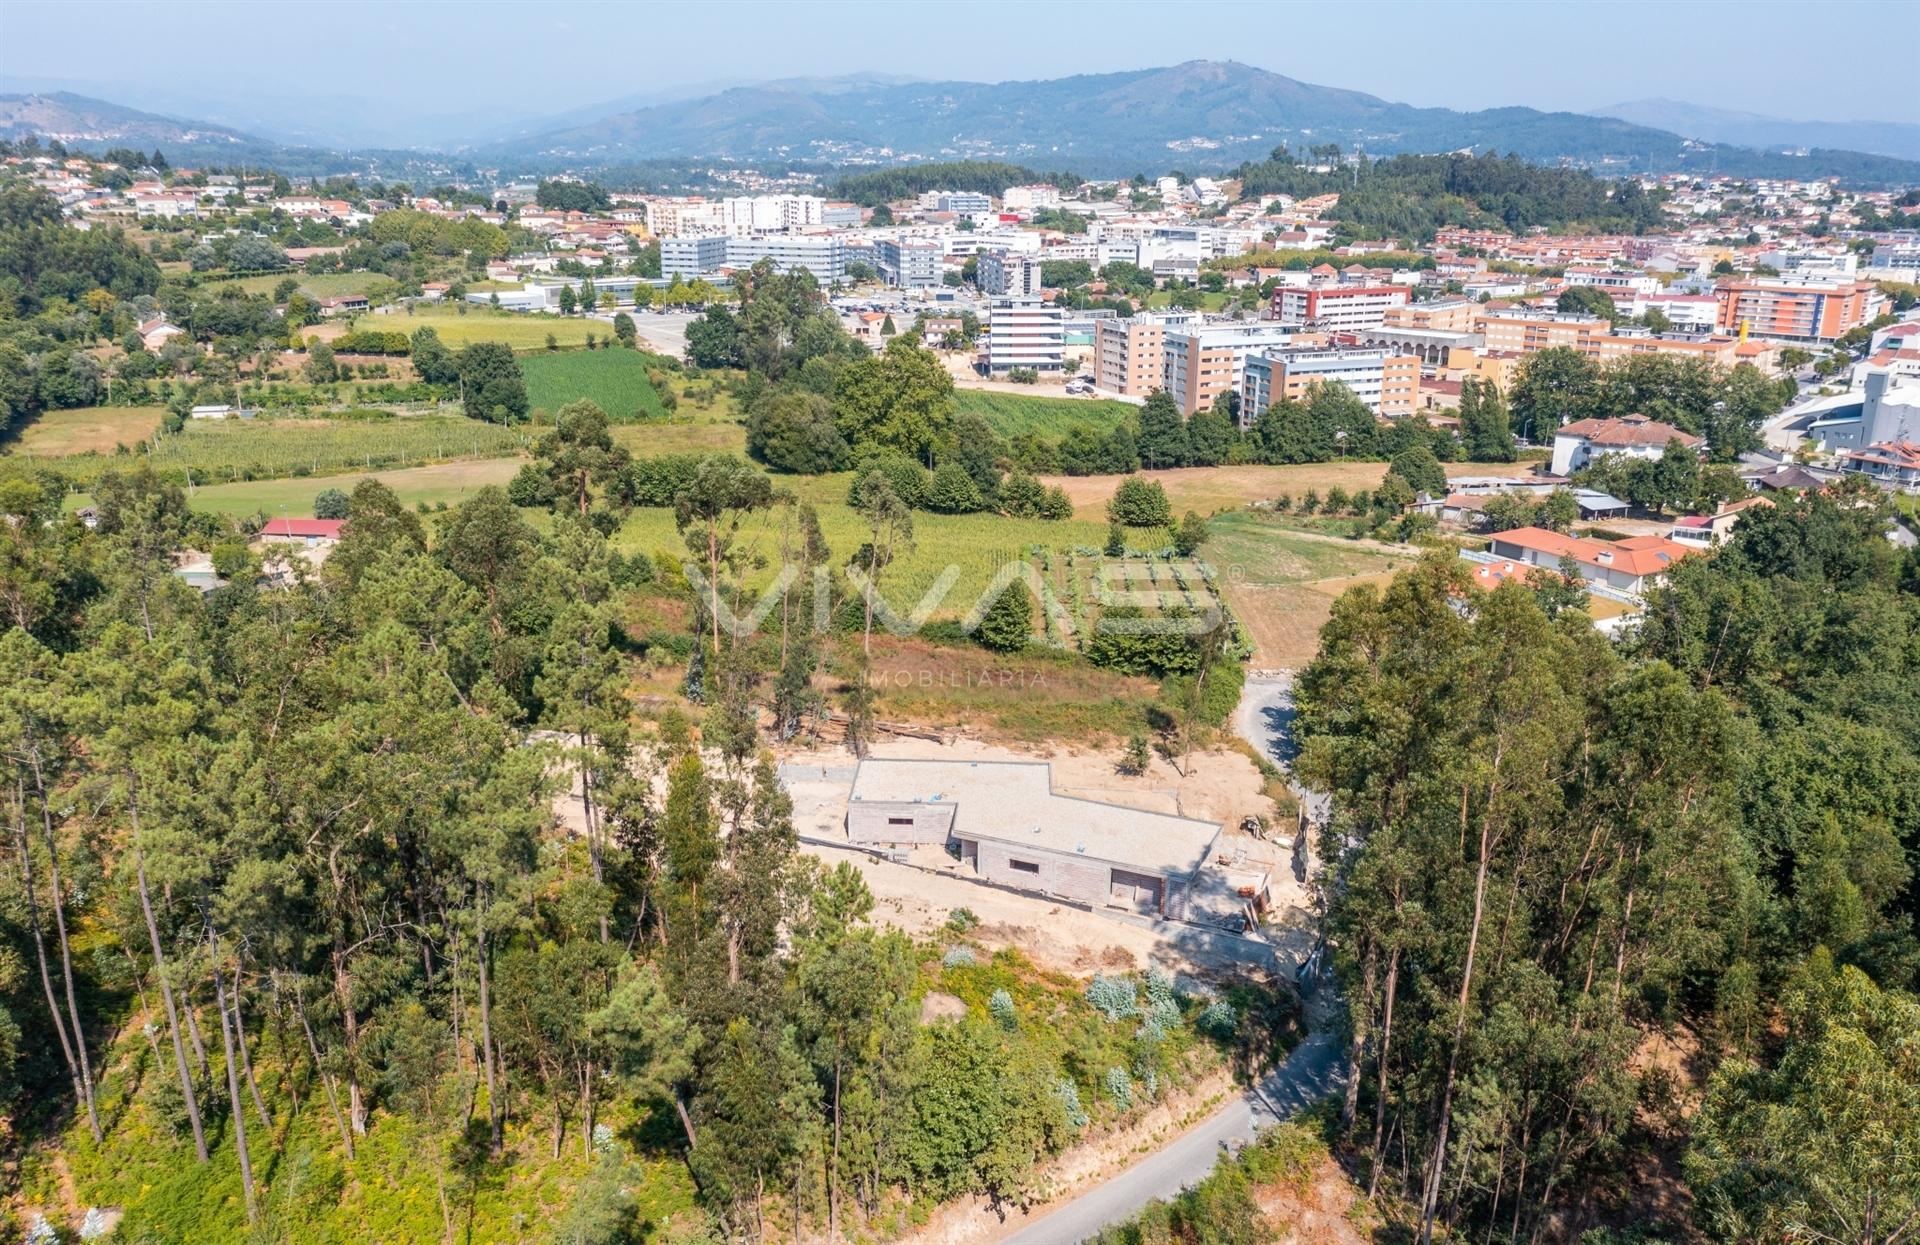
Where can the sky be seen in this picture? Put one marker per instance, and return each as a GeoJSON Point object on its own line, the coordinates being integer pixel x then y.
{"type": "Point", "coordinates": [407, 68]}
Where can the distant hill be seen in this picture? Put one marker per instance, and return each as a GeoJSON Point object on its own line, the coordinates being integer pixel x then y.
{"type": "Point", "coordinates": [1751, 129]}
{"type": "Point", "coordinates": [1201, 115]}
{"type": "Point", "coordinates": [78, 120]}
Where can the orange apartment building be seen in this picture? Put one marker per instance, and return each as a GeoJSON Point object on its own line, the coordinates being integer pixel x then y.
{"type": "Point", "coordinates": [1524, 332]}
{"type": "Point", "coordinates": [1204, 361]}
{"type": "Point", "coordinates": [1338, 308]}
{"type": "Point", "coordinates": [1443, 315]}
{"type": "Point", "coordinates": [1797, 311]}
{"type": "Point", "coordinates": [1130, 356]}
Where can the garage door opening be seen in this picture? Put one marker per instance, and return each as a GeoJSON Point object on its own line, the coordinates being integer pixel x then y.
{"type": "Point", "coordinates": [1139, 891]}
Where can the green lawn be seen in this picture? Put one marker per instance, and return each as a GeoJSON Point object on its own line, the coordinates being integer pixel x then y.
{"type": "Point", "coordinates": [86, 430]}
{"type": "Point", "coordinates": [1011, 414]}
{"type": "Point", "coordinates": [451, 483]}
{"type": "Point", "coordinates": [615, 379]}
{"type": "Point", "coordinates": [1265, 550]}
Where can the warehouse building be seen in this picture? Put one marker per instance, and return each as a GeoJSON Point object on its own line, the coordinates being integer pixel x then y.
{"type": "Point", "coordinates": [1005, 821]}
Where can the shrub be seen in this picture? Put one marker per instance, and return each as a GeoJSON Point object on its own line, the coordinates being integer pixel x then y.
{"type": "Point", "coordinates": [960, 920]}
{"type": "Point", "coordinates": [1001, 1006]}
{"type": "Point", "coordinates": [952, 491]}
{"type": "Point", "coordinates": [958, 957]}
{"type": "Point", "coordinates": [1219, 1020]}
{"type": "Point", "coordinates": [1069, 1095]}
{"type": "Point", "coordinates": [330, 504]}
{"type": "Point", "coordinates": [1140, 503]}
{"type": "Point", "coordinates": [1113, 997]}
{"type": "Point", "coordinates": [1119, 1087]}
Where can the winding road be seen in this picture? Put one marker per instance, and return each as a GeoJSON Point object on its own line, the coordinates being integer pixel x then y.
{"type": "Point", "coordinates": [1313, 1070]}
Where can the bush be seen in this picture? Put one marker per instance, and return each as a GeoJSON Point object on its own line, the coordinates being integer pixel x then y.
{"type": "Point", "coordinates": [1119, 1087]}
{"type": "Point", "coordinates": [952, 491]}
{"type": "Point", "coordinates": [1218, 1020]}
{"type": "Point", "coordinates": [960, 920]}
{"type": "Point", "coordinates": [958, 957]}
{"type": "Point", "coordinates": [1069, 1095]}
{"type": "Point", "coordinates": [1113, 997]}
{"type": "Point", "coordinates": [1140, 503]}
{"type": "Point", "coordinates": [1001, 1006]}
{"type": "Point", "coordinates": [1008, 623]}
{"type": "Point", "coordinates": [330, 504]}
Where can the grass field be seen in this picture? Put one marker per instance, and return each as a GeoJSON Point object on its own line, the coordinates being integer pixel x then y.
{"type": "Point", "coordinates": [615, 379]}
{"type": "Point", "coordinates": [236, 451]}
{"type": "Point", "coordinates": [86, 430]}
{"type": "Point", "coordinates": [522, 331]}
{"type": "Point", "coordinates": [681, 437]}
{"type": "Point", "coordinates": [1281, 580]}
{"type": "Point", "coordinates": [318, 285]}
{"type": "Point", "coordinates": [451, 483]}
{"type": "Point", "coordinates": [1209, 490]}
{"type": "Point", "coordinates": [1011, 414]}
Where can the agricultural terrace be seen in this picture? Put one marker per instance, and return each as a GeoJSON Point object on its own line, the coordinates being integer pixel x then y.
{"type": "Point", "coordinates": [445, 483]}
{"type": "Point", "coordinates": [1012, 414]}
{"type": "Point", "coordinates": [86, 430]}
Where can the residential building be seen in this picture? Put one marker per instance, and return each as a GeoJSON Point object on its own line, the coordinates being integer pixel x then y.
{"type": "Point", "coordinates": [1339, 308]}
{"type": "Point", "coordinates": [1890, 464]}
{"type": "Point", "coordinates": [1581, 442]}
{"type": "Point", "coordinates": [157, 333]}
{"type": "Point", "coordinates": [1004, 274]}
{"type": "Point", "coordinates": [967, 203]}
{"type": "Point", "coordinates": [1896, 257]}
{"type": "Point", "coordinates": [1206, 360]}
{"type": "Point", "coordinates": [1802, 310]}
{"type": "Point", "coordinates": [1130, 355]}
{"type": "Point", "coordinates": [1025, 333]}
{"type": "Point", "coordinates": [1030, 198]}
{"type": "Point", "coordinates": [1441, 315]}
{"type": "Point", "coordinates": [1388, 383]}
{"type": "Point", "coordinates": [1007, 824]}
{"type": "Point", "coordinates": [1711, 529]}
{"type": "Point", "coordinates": [1627, 567]}
{"type": "Point", "coordinates": [307, 533]}
{"type": "Point", "coordinates": [770, 213]}
{"type": "Point", "coordinates": [690, 257]}
{"type": "Point", "coordinates": [1612, 280]}
{"type": "Point", "coordinates": [1886, 408]}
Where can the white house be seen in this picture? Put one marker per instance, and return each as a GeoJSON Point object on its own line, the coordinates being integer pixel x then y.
{"type": "Point", "coordinates": [1579, 443]}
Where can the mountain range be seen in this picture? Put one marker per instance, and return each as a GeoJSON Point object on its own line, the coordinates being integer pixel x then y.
{"type": "Point", "coordinates": [1201, 116]}
{"type": "Point", "coordinates": [1751, 129]}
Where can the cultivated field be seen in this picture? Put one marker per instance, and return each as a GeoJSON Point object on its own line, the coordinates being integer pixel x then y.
{"type": "Point", "coordinates": [1013, 414]}
{"type": "Point", "coordinates": [681, 436]}
{"type": "Point", "coordinates": [614, 379]}
{"type": "Point", "coordinates": [87, 430]}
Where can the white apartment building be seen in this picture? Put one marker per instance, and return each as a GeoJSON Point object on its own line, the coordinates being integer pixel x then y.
{"type": "Point", "coordinates": [1003, 274]}
{"type": "Point", "coordinates": [1896, 257]}
{"type": "Point", "coordinates": [747, 214]}
{"type": "Point", "coordinates": [1025, 332]}
{"type": "Point", "coordinates": [1388, 383]}
{"type": "Point", "coordinates": [1030, 198]}
{"type": "Point", "coordinates": [689, 257]}
{"type": "Point", "coordinates": [960, 202]}
{"type": "Point", "coordinates": [1338, 308]}
{"type": "Point", "coordinates": [1613, 281]}
{"type": "Point", "coordinates": [678, 217]}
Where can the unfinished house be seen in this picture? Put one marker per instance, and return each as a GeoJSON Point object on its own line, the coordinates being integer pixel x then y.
{"type": "Point", "coordinates": [1005, 821]}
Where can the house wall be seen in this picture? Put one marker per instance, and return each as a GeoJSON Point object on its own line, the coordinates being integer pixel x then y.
{"type": "Point", "coordinates": [1079, 878]}
{"type": "Point", "coordinates": [888, 822]}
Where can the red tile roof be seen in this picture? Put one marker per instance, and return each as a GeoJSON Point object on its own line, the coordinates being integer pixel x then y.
{"type": "Point", "coordinates": [326, 529]}
{"type": "Point", "coordinates": [1634, 430]}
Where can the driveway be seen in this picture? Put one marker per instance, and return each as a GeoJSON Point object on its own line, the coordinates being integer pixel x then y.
{"type": "Point", "coordinates": [1264, 719]}
{"type": "Point", "coordinates": [1309, 1074]}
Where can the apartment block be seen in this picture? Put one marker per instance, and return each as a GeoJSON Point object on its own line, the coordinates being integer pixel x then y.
{"type": "Point", "coordinates": [1442, 315]}
{"type": "Point", "coordinates": [1130, 356]}
{"type": "Point", "coordinates": [824, 257]}
{"type": "Point", "coordinates": [1338, 308]}
{"type": "Point", "coordinates": [908, 265]}
{"type": "Point", "coordinates": [1388, 383]}
{"type": "Point", "coordinates": [1025, 332]}
{"type": "Point", "coordinates": [1204, 361]}
{"type": "Point", "coordinates": [1797, 310]}
{"type": "Point", "coordinates": [1006, 274]}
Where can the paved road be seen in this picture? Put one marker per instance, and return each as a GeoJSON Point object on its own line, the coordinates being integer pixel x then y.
{"type": "Point", "coordinates": [1264, 719]}
{"type": "Point", "coordinates": [1314, 1069]}
{"type": "Point", "coordinates": [1310, 1073]}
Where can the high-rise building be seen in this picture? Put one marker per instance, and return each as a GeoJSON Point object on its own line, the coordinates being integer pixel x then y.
{"type": "Point", "coordinates": [908, 265]}
{"type": "Point", "coordinates": [1005, 274]}
{"type": "Point", "coordinates": [1797, 310]}
{"type": "Point", "coordinates": [1025, 333]}
{"type": "Point", "coordinates": [1204, 361]}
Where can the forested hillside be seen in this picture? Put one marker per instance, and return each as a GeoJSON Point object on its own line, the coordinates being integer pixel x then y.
{"type": "Point", "coordinates": [299, 945]}
{"type": "Point", "coordinates": [1555, 859]}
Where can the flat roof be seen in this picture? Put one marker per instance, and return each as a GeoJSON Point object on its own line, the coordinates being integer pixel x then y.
{"type": "Point", "coordinates": [1013, 802]}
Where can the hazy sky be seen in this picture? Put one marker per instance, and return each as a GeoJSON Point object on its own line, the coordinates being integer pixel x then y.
{"type": "Point", "coordinates": [494, 59]}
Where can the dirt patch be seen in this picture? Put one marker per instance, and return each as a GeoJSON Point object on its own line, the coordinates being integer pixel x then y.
{"type": "Point", "coordinates": [1324, 1209]}
{"type": "Point", "coordinates": [1208, 489]}
{"type": "Point", "coordinates": [938, 1005]}
{"type": "Point", "coordinates": [1284, 622]}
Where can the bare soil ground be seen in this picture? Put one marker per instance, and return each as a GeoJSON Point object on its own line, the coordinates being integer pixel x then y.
{"type": "Point", "coordinates": [1208, 489]}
